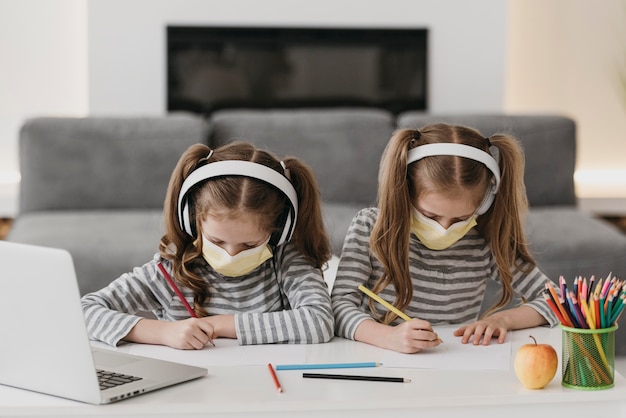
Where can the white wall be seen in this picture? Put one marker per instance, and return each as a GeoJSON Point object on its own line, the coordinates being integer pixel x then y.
{"type": "Point", "coordinates": [565, 56]}
{"type": "Point", "coordinates": [43, 71]}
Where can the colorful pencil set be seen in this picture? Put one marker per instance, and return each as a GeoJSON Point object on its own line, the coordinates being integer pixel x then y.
{"type": "Point", "coordinates": [589, 312]}
{"type": "Point", "coordinates": [589, 304]}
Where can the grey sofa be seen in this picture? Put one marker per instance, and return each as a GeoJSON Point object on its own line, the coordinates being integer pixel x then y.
{"type": "Point", "coordinates": [96, 185]}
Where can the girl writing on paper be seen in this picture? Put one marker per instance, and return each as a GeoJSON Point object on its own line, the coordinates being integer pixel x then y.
{"type": "Point", "coordinates": [448, 220]}
{"type": "Point", "coordinates": [241, 258]}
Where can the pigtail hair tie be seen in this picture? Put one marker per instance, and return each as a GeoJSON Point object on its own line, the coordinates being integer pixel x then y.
{"type": "Point", "coordinates": [285, 170]}
{"type": "Point", "coordinates": [488, 142]}
{"type": "Point", "coordinates": [206, 159]}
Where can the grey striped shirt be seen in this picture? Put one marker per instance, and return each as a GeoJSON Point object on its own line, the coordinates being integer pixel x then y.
{"type": "Point", "coordinates": [285, 300]}
{"type": "Point", "coordinates": [448, 285]}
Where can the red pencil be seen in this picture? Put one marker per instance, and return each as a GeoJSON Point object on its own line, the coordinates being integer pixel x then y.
{"type": "Point", "coordinates": [279, 388]}
{"type": "Point", "coordinates": [176, 289]}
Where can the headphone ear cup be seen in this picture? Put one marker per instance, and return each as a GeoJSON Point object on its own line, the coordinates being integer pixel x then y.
{"type": "Point", "coordinates": [185, 217]}
{"type": "Point", "coordinates": [286, 225]}
{"type": "Point", "coordinates": [488, 199]}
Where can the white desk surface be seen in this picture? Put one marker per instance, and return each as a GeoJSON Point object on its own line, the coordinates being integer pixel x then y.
{"type": "Point", "coordinates": [243, 391]}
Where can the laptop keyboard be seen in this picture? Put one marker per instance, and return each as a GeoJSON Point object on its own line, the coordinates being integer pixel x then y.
{"type": "Point", "coordinates": [110, 380]}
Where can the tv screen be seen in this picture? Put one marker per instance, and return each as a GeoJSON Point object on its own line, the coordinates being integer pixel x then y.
{"type": "Point", "coordinates": [210, 68]}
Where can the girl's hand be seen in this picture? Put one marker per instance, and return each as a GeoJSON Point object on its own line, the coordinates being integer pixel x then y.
{"type": "Point", "coordinates": [484, 329]}
{"type": "Point", "coordinates": [499, 323]}
{"type": "Point", "coordinates": [409, 337]}
{"type": "Point", "coordinates": [188, 334]}
{"type": "Point", "coordinates": [412, 336]}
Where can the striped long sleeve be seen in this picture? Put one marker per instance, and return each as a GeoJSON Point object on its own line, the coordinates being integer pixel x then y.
{"type": "Point", "coordinates": [285, 300]}
{"type": "Point", "coordinates": [448, 285]}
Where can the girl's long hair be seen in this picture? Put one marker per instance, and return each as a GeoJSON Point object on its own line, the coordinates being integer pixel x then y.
{"type": "Point", "coordinates": [233, 196]}
{"type": "Point", "coordinates": [399, 187]}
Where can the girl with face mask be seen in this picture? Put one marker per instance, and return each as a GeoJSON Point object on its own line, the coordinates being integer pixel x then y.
{"type": "Point", "coordinates": [241, 258]}
{"type": "Point", "coordinates": [448, 220]}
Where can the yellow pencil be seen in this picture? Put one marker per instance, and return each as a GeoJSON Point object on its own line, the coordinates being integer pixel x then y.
{"type": "Point", "coordinates": [386, 304]}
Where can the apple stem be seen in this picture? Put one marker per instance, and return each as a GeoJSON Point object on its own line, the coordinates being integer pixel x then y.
{"type": "Point", "coordinates": [533, 339]}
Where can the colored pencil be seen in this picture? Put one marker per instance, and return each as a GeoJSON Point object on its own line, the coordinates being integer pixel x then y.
{"type": "Point", "coordinates": [559, 304]}
{"type": "Point", "coordinates": [596, 307]}
{"type": "Point", "coordinates": [180, 295]}
{"type": "Point", "coordinates": [592, 281]}
{"type": "Point", "coordinates": [617, 309]}
{"type": "Point", "coordinates": [312, 366]}
{"type": "Point", "coordinates": [578, 312]}
{"type": "Point", "coordinates": [553, 307]}
{"type": "Point", "coordinates": [384, 303]}
{"type": "Point", "coordinates": [387, 305]}
{"type": "Point", "coordinates": [607, 285]}
{"type": "Point", "coordinates": [279, 388]}
{"type": "Point", "coordinates": [176, 289]}
{"type": "Point", "coordinates": [355, 377]}
{"type": "Point", "coordinates": [574, 315]}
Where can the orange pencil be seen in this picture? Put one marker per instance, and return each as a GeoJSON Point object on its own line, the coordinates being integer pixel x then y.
{"type": "Point", "coordinates": [554, 309]}
{"type": "Point", "coordinates": [559, 304]}
{"type": "Point", "coordinates": [279, 388]}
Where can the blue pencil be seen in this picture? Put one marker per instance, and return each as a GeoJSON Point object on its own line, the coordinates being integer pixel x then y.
{"type": "Point", "coordinates": [326, 366]}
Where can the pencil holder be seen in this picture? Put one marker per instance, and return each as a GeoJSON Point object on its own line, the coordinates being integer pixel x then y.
{"type": "Point", "coordinates": [588, 358]}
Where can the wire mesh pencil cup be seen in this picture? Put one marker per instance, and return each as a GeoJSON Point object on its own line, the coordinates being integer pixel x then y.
{"type": "Point", "coordinates": [588, 358]}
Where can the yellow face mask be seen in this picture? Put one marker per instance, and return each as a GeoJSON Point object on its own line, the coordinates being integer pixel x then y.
{"type": "Point", "coordinates": [235, 265]}
{"type": "Point", "coordinates": [435, 236]}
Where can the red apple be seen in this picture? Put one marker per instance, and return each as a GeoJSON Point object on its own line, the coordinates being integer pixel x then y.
{"type": "Point", "coordinates": [535, 364]}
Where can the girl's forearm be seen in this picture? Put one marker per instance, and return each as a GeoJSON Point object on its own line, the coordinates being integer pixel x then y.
{"type": "Point", "coordinates": [224, 325]}
{"type": "Point", "coordinates": [520, 317]}
{"type": "Point", "coordinates": [147, 331]}
{"type": "Point", "coordinates": [372, 332]}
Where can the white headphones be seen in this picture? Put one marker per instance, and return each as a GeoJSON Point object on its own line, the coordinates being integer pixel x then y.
{"type": "Point", "coordinates": [245, 169]}
{"type": "Point", "coordinates": [466, 151]}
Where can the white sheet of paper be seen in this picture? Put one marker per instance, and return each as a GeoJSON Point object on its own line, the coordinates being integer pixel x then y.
{"type": "Point", "coordinates": [453, 355]}
{"type": "Point", "coordinates": [225, 353]}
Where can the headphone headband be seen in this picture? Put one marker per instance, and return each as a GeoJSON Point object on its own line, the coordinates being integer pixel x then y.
{"type": "Point", "coordinates": [245, 169]}
{"type": "Point", "coordinates": [462, 150]}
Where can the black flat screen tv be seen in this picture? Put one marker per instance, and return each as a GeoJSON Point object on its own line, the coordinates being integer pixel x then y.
{"type": "Point", "coordinates": [211, 68]}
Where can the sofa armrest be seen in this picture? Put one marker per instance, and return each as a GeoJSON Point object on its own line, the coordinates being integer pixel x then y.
{"type": "Point", "coordinates": [100, 162]}
{"type": "Point", "coordinates": [549, 143]}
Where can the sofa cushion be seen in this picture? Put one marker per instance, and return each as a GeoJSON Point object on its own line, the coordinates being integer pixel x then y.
{"type": "Point", "coordinates": [569, 242]}
{"type": "Point", "coordinates": [337, 219]}
{"type": "Point", "coordinates": [101, 162]}
{"type": "Point", "coordinates": [104, 244]}
{"type": "Point", "coordinates": [343, 146]}
{"type": "Point", "coordinates": [549, 143]}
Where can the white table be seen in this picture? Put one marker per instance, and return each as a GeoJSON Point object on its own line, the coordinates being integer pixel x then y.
{"type": "Point", "coordinates": [244, 391]}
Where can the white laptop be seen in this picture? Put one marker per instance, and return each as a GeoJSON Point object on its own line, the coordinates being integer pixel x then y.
{"type": "Point", "coordinates": [44, 346]}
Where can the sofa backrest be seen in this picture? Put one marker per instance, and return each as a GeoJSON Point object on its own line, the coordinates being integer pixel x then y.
{"type": "Point", "coordinates": [102, 162]}
{"type": "Point", "coordinates": [343, 146]}
{"type": "Point", "coordinates": [548, 141]}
